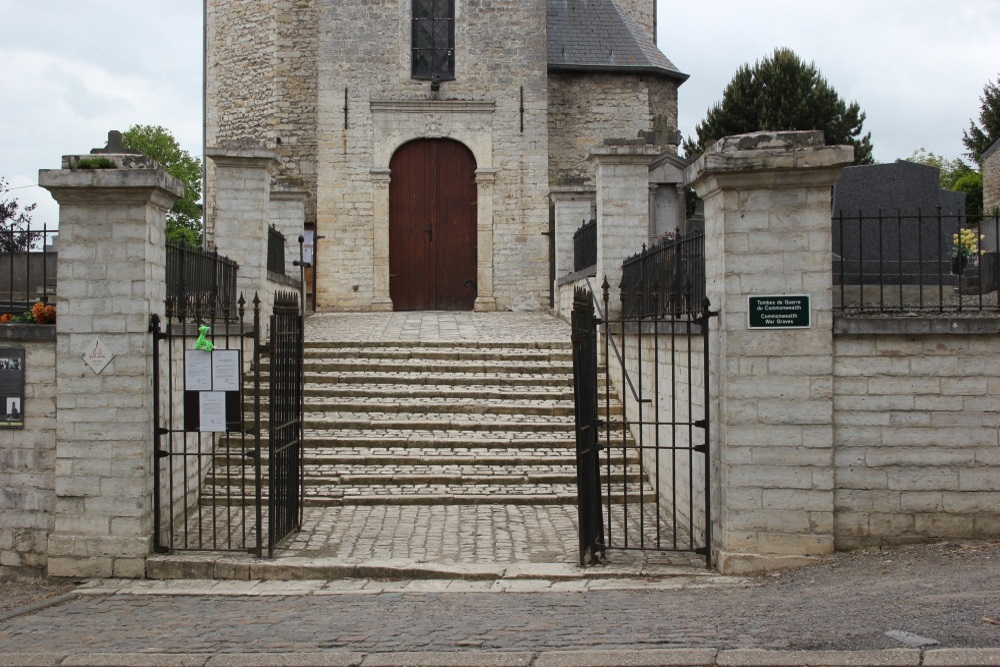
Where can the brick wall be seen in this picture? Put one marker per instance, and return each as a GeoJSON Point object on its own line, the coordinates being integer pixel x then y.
{"type": "Point", "coordinates": [27, 458]}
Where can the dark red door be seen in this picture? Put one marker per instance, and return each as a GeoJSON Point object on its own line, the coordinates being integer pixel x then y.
{"type": "Point", "coordinates": [432, 226]}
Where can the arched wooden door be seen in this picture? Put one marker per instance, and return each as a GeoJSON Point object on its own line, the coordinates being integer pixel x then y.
{"type": "Point", "coordinates": [432, 226]}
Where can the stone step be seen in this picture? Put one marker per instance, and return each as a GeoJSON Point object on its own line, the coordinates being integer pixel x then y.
{"type": "Point", "coordinates": [438, 406]}
{"type": "Point", "coordinates": [441, 354]}
{"type": "Point", "coordinates": [405, 378]}
{"type": "Point", "coordinates": [478, 392]}
{"type": "Point", "coordinates": [488, 368]}
{"type": "Point", "coordinates": [415, 344]}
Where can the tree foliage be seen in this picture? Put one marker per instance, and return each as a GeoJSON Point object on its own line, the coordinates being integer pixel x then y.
{"type": "Point", "coordinates": [14, 223]}
{"type": "Point", "coordinates": [184, 219]}
{"type": "Point", "coordinates": [780, 93]}
{"type": "Point", "coordinates": [980, 137]}
{"type": "Point", "coordinates": [955, 175]}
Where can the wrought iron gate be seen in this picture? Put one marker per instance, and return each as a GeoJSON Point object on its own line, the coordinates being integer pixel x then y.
{"type": "Point", "coordinates": [650, 426]}
{"type": "Point", "coordinates": [219, 485]}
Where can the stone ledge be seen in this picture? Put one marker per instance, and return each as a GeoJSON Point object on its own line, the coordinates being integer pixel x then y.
{"type": "Point", "coordinates": [28, 332]}
{"type": "Point", "coordinates": [911, 326]}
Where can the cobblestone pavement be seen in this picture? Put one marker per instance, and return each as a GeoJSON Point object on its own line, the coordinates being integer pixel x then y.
{"type": "Point", "coordinates": [945, 593]}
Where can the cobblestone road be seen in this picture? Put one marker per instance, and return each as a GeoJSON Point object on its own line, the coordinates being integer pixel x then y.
{"type": "Point", "coordinates": [948, 593]}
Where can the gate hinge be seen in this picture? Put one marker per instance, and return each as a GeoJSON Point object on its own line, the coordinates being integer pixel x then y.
{"type": "Point", "coordinates": [161, 431]}
{"type": "Point", "coordinates": [701, 449]}
{"type": "Point", "coordinates": [702, 551]}
{"type": "Point", "coordinates": [162, 453]}
{"type": "Point", "coordinates": [701, 423]}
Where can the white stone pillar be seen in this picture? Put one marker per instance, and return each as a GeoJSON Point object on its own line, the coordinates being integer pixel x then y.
{"type": "Point", "coordinates": [768, 232]}
{"type": "Point", "coordinates": [573, 206]}
{"type": "Point", "coordinates": [288, 215]}
{"type": "Point", "coordinates": [485, 180]}
{"type": "Point", "coordinates": [242, 214]}
{"type": "Point", "coordinates": [111, 276]}
{"type": "Point", "coordinates": [622, 209]}
{"type": "Point", "coordinates": [381, 178]}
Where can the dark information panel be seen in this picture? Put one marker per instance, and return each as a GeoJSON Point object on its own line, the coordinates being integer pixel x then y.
{"type": "Point", "coordinates": [12, 388]}
{"type": "Point", "coordinates": [779, 311]}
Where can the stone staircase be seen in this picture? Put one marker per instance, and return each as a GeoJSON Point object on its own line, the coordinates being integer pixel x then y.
{"type": "Point", "coordinates": [435, 423]}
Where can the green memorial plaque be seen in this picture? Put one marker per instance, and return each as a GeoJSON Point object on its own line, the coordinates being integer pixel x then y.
{"type": "Point", "coordinates": [779, 311]}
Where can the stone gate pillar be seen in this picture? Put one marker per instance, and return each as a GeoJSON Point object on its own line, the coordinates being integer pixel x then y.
{"type": "Point", "coordinates": [768, 232]}
{"type": "Point", "coordinates": [572, 209]}
{"type": "Point", "coordinates": [111, 278]}
{"type": "Point", "coordinates": [242, 213]}
{"type": "Point", "coordinates": [622, 208]}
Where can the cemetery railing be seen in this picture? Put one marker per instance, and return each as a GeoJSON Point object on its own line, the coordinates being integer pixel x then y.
{"type": "Point", "coordinates": [915, 263]}
{"type": "Point", "coordinates": [27, 268]}
{"type": "Point", "coordinates": [585, 246]}
{"type": "Point", "coordinates": [667, 280]}
{"type": "Point", "coordinates": [200, 283]}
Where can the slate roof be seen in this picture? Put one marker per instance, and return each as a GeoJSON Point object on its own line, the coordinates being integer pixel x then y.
{"type": "Point", "coordinates": [596, 35]}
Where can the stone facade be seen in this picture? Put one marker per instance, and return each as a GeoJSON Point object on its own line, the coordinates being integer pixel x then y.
{"type": "Point", "coordinates": [328, 88]}
{"type": "Point", "coordinates": [915, 426]}
{"type": "Point", "coordinates": [991, 179]}
{"type": "Point", "coordinates": [27, 456]}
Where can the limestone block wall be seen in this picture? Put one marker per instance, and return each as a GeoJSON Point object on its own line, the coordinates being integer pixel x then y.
{"type": "Point", "coordinates": [585, 109]}
{"type": "Point", "coordinates": [916, 422]}
{"type": "Point", "coordinates": [991, 181]}
{"type": "Point", "coordinates": [384, 108]}
{"type": "Point", "coordinates": [643, 13]}
{"type": "Point", "coordinates": [28, 455]}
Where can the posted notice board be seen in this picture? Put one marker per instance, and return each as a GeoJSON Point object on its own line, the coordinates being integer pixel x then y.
{"type": "Point", "coordinates": [12, 388]}
{"type": "Point", "coordinates": [212, 402]}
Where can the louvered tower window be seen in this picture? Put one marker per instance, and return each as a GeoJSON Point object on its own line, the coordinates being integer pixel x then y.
{"type": "Point", "coordinates": [434, 40]}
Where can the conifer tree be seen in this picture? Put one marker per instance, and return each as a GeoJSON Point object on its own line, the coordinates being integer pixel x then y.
{"type": "Point", "coordinates": [782, 92]}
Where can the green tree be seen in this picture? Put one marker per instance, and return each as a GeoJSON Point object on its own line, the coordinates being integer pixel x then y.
{"type": "Point", "coordinates": [14, 223]}
{"type": "Point", "coordinates": [955, 175]}
{"type": "Point", "coordinates": [782, 92]}
{"type": "Point", "coordinates": [184, 219]}
{"type": "Point", "coordinates": [978, 138]}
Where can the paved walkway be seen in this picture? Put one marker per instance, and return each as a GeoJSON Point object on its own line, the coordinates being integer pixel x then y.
{"type": "Point", "coordinates": [437, 326]}
{"type": "Point", "coordinates": [911, 607]}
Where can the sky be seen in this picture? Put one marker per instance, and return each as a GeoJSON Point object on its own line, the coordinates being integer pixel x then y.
{"type": "Point", "coordinates": [71, 71]}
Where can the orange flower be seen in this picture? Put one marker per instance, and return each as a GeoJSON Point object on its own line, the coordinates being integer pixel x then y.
{"type": "Point", "coordinates": [6, 318]}
{"type": "Point", "coordinates": [43, 313]}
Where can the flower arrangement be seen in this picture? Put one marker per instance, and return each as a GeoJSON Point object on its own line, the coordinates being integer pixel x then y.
{"type": "Point", "coordinates": [40, 313]}
{"type": "Point", "coordinates": [965, 244]}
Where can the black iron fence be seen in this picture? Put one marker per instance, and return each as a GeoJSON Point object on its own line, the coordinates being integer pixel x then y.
{"type": "Point", "coordinates": [27, 269]}
{"type": "Point", "coordinates": [919, 263]}
{"type": "Point", "coordinates": [275, 251]}
{"type": "Point", "coordinates": [200, 283]}
{"type": "Point", "coordinates": [585, 246]}
{"type": "Point", "coordinates": [667, 280]}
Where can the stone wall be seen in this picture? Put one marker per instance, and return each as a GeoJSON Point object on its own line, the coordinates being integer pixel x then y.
{"type": "Point", "coordinates": [991, 180]}
{"type": "Point", "coordinates": [586, 109]}
{"type": "Point", "coordinates": [27, 456]}
{"type": "Point", "coordinates": [916, 423]}
{"type": "Point", "coordinates": [481, 108]}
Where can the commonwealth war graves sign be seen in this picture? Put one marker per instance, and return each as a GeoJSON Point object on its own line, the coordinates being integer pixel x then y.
{"type": "Point", "coordinates": [779, 311]}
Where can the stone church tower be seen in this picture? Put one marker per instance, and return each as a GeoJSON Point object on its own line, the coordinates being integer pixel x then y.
{"type": "Point", "coordinates": [425, 136]}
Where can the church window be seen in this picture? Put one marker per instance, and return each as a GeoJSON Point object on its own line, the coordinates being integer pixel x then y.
{"type": "Point", "coordinates": [433, 40]}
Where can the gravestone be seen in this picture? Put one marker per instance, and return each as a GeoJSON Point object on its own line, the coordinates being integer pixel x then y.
{"type": "Point", "coordinates": [887, 227]}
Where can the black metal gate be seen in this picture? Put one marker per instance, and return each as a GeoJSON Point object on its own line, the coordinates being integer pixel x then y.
{"type": "Point", "coordinates": [588, 474]}
{"type": "Point", "coordinates": [285, 419]}
{"type": "Point", "coordinates": [647, 407]}
{"type": "Point", "coordinates": [219, 485]}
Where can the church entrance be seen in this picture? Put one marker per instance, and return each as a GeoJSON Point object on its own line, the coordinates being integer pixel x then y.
{"type": "Point", "coordinates": [432, 226]}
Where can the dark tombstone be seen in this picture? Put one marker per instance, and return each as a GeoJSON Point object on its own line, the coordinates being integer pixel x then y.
{"type": "Point", "coordinates": [893, 225]}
